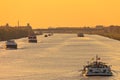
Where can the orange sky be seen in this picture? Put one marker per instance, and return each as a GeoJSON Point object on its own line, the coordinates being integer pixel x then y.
{"type": "Point", "coordinates": [45, 13]}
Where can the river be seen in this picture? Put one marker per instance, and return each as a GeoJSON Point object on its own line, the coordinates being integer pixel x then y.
{"type": "Point", "coordinates": [58, 57]}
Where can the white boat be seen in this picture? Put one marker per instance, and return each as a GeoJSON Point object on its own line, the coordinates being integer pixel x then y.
{"type": "Point", "coordinates": [11, 44]}
{"type": "Point", "coordinates": [32, 38]}
{"type": "Point", "coordinates": [97, 68]}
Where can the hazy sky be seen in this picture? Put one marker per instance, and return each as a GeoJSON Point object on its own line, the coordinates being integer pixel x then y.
{"type": "Point", "coordinates": [45, 13]}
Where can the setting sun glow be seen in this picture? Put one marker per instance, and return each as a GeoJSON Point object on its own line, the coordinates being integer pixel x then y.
{"type": "Point", "coordinates": [46, 13]}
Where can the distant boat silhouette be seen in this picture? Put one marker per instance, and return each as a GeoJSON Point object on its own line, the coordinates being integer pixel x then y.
{"type": "Point", "coordinates": [45, 35]}
{"type": "Point", "coordinates": [80, 35]}
{"type": "Point", "coordinates": [11, 44]}
{"type": "Point", "coordinates": [32, 38]}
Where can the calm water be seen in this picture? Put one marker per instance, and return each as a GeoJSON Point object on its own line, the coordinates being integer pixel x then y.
{"type": "Point", "coordinates": [59, 57]}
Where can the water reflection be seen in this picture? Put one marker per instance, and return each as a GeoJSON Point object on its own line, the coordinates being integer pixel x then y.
{"type": "Point", "coordinates": [59, 57]}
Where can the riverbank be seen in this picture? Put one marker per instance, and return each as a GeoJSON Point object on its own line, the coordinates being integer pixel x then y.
{"type": "Point", "coordinates": [110, 31]}
{"type": "Point", "coordinates": [111, 35]}
{"type": "Point", "coordinates": [8, 32]}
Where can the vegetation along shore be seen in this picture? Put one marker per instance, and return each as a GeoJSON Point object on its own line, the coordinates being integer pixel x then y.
{"type": "Point", "coordinates": [109, 31]}
{"type": "Point", "coordinates": [9, 32]}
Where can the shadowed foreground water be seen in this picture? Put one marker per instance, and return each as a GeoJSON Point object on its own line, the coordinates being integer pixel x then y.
{"type": "Point", "coordinates": [59, 57]}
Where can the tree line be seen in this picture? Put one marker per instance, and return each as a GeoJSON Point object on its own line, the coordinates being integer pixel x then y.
{"type": "Point", "coordinates": [7, 32]}
{"type": "Point", "coordinates": [109, 31]}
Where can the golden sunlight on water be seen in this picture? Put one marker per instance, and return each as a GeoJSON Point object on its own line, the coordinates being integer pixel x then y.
{"type": "Point", "coordinates": [59, 57]}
